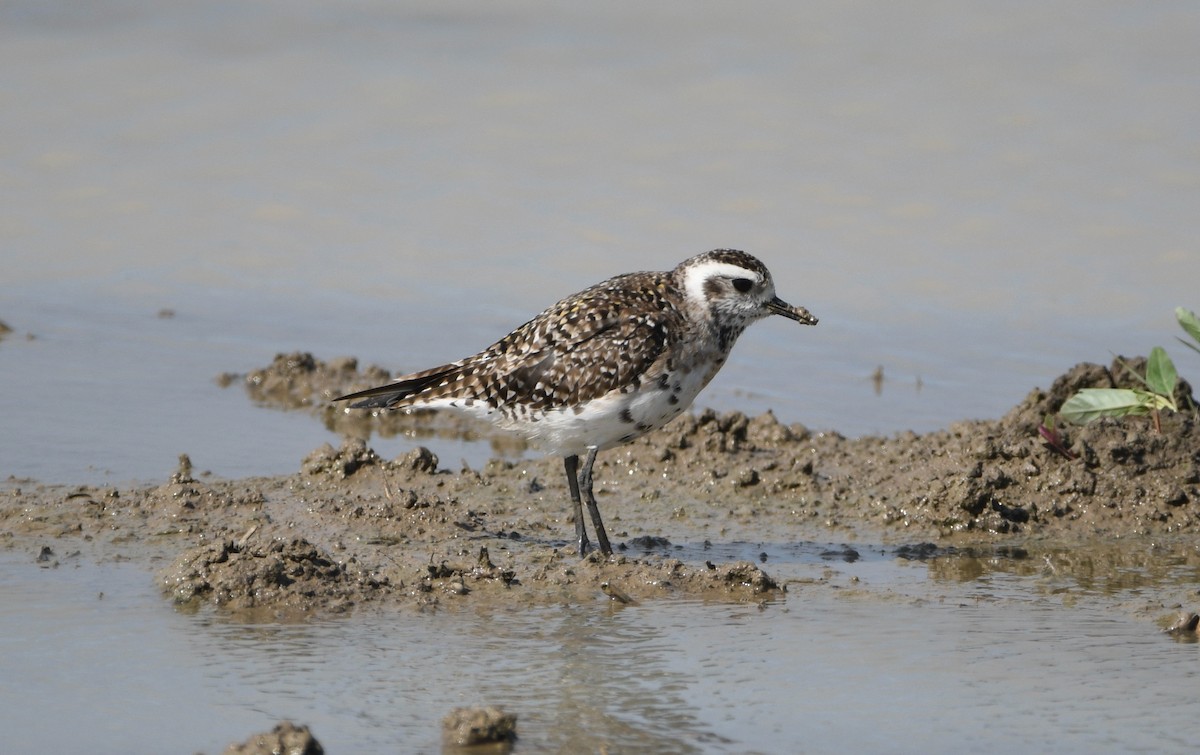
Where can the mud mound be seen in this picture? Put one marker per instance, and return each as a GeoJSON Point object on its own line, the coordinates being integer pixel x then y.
{"type": "Point", "coordinates": [286, 737]}
{"type": "Point", "coordinates": [469, 727]}
{"type": "Point", "coordinates": [1003, 477]}
{"type": "Point", "coordinates": [1024, 418]}
{"type": "Point", "coordinates": [978, 477]}
{"type": "Point", "coordinates": [283, 577]}
{"type": "Point", "coordinates": [352, 528]}
{"type": "Point", "coordinates": [298, 380]}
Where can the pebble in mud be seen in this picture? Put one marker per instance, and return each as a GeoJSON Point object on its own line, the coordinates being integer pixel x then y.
{"type": "Point", "coordinates": [468, 727]}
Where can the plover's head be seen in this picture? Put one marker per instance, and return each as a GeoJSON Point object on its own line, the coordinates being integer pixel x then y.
{"type": "Point", "coordinates": [734, 289]}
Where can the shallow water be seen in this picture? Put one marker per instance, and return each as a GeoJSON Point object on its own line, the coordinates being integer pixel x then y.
{"type": "Point", "coordinates": [973, 197]}
{"type": "Point", "coordinates": [96, 660]}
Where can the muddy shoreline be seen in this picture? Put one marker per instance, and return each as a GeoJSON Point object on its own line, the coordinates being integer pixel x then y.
{"type": "Point", "coordinates": [351, 529]}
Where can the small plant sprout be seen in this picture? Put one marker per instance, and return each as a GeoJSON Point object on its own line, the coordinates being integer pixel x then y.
{"type": "Point", "coordinates": [1159, 393]}
{"type": "Point", "coordinates": [1187, 321]}
{"type": "Point", "coordinates": [1053, 439]}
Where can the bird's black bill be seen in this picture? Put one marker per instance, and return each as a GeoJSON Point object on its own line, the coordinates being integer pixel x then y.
{"type": "Point", "coordinates": [778, 306]}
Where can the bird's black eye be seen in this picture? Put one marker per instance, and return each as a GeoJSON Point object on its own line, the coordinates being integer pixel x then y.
{"type": "Point", "coordinates": [743, 284]}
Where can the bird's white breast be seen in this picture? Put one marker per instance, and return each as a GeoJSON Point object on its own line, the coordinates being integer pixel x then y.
{"type": "Point", "coordinates": [607, 421]}
{"type": "Point", "coordinates": [616, 417]}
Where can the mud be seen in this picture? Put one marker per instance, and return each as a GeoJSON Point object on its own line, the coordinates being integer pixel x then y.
{"type": "Point", "coordinates": [350, 528]}
{"type": "Point", "coordinates": [286, 737]}
{"type": "Point", "coordinates": [467, 728]}
{"type": "Point", "coordinates": [976, 477]}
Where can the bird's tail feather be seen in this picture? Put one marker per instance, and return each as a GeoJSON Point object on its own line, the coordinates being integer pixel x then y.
{"type": "Point", "coordinates": [401, 390]}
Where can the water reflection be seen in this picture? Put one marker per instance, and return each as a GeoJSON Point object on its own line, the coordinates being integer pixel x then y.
{"type": "Point", "coordinates": [581, 677]}
{"type": "Point", "coordinates": [811, 670]}
{"type": "Point", "coordinates": [1102, 567]}
{"type": "Point", "coordinates": [611, 685]}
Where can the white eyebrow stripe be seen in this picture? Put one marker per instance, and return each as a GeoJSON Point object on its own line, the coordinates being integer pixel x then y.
{"type": "Point", "coordinates": [696, 276]}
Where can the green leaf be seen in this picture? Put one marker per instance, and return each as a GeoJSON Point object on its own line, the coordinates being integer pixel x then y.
{"type": "Point", "coordinates": [1156, 401]}
{"type": "Point", "coordinates": [1188, 321]}
{"type": "Point", "coordinates": [1160, 373]}
{"type": "Point", "coordinates": [1093, 403]}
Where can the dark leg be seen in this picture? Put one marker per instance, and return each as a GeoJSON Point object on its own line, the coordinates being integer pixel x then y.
{"type": "Point", "coordinates": [585, 481]}
{"type": "Point", "coordinates": [572, 465]}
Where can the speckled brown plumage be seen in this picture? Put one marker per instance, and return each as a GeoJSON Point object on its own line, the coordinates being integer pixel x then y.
{"type": "Point", "coordinates": [609, 337]}
{"type": "Point", "coordinates": [605, 365]}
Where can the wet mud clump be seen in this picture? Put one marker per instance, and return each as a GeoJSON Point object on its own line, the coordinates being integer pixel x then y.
{"type": "Point", "coordinates": [285, 739]}
{"type": "Point", "coordinates": [279, 575]}
{"type": "Point", "coordinates": [1119, 477]}
{"type": "Point", "coordinates": [468, 727]}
